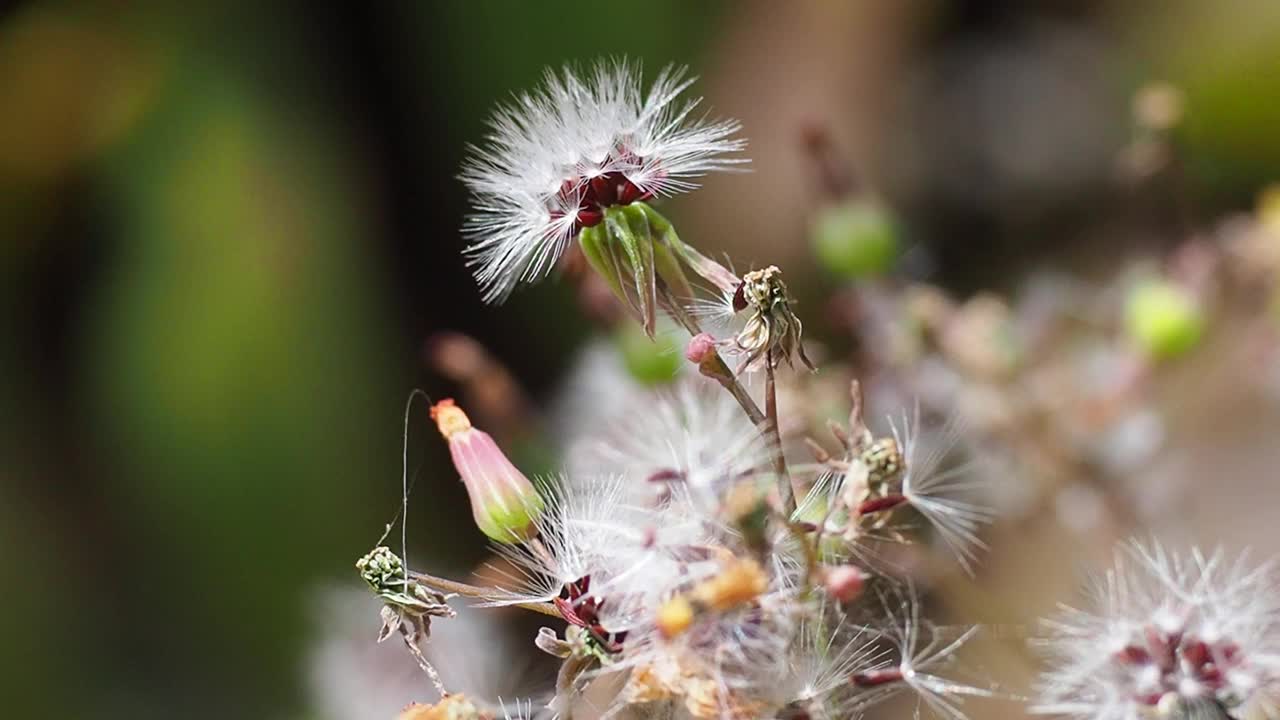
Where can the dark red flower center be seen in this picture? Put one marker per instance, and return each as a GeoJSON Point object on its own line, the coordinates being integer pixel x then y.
{"type": "Point", "coordinates": [597, 193]}
{"type": "Point", "coordinates": [1179, 656]}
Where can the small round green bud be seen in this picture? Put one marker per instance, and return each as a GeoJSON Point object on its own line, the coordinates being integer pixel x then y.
{"type": "Point", "coordinates": [856, 239]}
{"type": "Point", "coordinates": [650, 362]}
{"type": "Point", "coordinates": [1163, 319]}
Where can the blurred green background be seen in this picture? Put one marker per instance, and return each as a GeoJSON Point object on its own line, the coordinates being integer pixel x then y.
{"type": "Point", "coordinates": [228, 231]}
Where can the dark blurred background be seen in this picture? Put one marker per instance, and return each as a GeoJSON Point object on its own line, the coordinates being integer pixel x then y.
{"type": "Point", "coordinates": [228, 234]}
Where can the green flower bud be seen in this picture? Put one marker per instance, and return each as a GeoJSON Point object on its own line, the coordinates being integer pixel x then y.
{"type": "Point", "coordinates": [1163, 319]}
{"type": "Point", "coordinates": [855, 240]}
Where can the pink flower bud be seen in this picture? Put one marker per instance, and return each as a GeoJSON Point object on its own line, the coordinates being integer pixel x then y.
{"type": "Point", "coordinates": [844, 582]}
{"type": "Point", "coordinates": [701, 348]}
{"type": "Point", "coordinates": [503, 501]}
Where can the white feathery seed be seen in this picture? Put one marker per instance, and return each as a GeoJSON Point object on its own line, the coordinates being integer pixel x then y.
{"type": "Point", "coordinates": [828, 651]}
{"type": "Point", "coordinates": [923, 650]}
{"type": "Point", "coordinates": [530, 179]}
{"type": "Point", "coordinates": [631, 555]}
{"type": "Point", "coordinates": [942, 496]}
{"type": "Point", "coordinates": [584, 530]}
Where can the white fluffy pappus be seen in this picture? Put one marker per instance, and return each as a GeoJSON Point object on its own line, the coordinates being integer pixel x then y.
{"type": "Point", "coordinates": [943, 495]}
{"type": "Point", "coordinates": [829, 650]}
{"type": "Point", "coordinates": [1167, 635]}
{"type": "Point", "coordinates": [922, 651]}
{"type": "Point", "coordinates": [732, 664]}
{"type": "Point", "coordinates": [556, 157]}
{"type": "Point", "coordinates": [690, 442]}
{"type": "Point", "coordinates": [595, 547]}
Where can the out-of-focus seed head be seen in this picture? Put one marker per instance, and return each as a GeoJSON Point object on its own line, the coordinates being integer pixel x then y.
{"type": "Point", "coordinates": [651, 362]}
{"type": "Point", "coordinates": [1168, 636]}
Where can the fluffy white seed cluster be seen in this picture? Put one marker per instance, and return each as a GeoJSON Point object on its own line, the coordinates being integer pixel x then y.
{"type": "Point", "coordinates": [556, 157]}
{"type": "Point", "coordinates": [680, 584]}
{"type": "Point", "coordinates": [1168, 636]}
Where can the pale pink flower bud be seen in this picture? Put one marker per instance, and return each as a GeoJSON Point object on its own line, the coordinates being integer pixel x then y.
{"type": "Point", "coordinates": [503, 501]}
{"type": "Point", "coordinates": [844, 582]}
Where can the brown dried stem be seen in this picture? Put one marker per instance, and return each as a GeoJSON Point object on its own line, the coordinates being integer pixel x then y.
{"type": "Point", "coordinates": [474, 591]}
{"type": "Point", "coordinates": [786, 492]}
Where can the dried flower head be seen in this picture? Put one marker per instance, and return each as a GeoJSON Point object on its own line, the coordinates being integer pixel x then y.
{"type": "Point", "coordinates": [557, 158]}
{"type": "Point", "coordinates": [407, 606]}
{"type": "Point", "coordinates": [1169, 636]}
{"type": "Point", "coordinates": [772, 332]}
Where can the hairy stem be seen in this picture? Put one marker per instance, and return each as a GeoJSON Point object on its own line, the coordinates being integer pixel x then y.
{"type": "Point", "coordinates": [474, 591]}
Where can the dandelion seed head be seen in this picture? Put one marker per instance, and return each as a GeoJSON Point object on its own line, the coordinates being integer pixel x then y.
{"type": "Point", "coordinates": [1166, 634]}
{"type": "Point", "coordinates": [556, 157]}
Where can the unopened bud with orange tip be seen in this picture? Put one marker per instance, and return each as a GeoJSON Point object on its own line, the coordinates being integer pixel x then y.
{"type": "Point", "coordinates": [503, 501]}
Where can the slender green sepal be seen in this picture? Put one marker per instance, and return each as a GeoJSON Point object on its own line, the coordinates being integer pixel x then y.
{"type": "Point", "coordinates": [595, 247]}
{"type": "Point", "coordinates": [638, 249]}
{"type": "Point", "coordinates": [703, 266]}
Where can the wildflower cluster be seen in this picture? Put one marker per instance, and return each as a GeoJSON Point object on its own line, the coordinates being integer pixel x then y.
{"type": "Point", "coordinates": [682, 579]}
{"type": "Point", "coordinates": [686, 582]}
